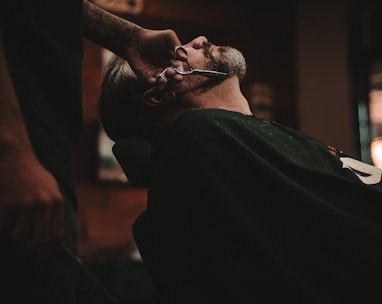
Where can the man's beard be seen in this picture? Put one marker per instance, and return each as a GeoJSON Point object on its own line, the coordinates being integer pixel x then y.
{"type": "Point", "coordinates": [230, 61]}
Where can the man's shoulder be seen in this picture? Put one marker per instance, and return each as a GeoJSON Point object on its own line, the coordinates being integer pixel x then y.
{"type": "Point", "coordinates": [206, 114]}
{"type": "Point", "coordinates": [207, 117]}
{"type": "Point", "coordinates": [199, 130]}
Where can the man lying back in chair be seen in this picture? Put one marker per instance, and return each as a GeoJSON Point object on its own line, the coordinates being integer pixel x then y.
{"type": "Point", "coordinates": [240, 209]}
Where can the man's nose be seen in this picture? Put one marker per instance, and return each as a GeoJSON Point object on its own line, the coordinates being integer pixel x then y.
{"type": "Point", "coordinates": [197, 43]}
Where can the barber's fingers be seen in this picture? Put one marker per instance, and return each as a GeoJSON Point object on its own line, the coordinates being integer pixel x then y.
{"type": "Point", "coordinates": [168, 75]}
{"type": "Point", "coordinates": [49, 225]}
{"type": "Point", "coordinates": [180, 58]}
{"type": "Point", "coordinates": [178, 61]}
{"type": "Point", "coordinates": [21, 230]}
{"type": "Point", "coordinates": [180, 53]}
{"type": "Point", "coordinates": [38, 227]}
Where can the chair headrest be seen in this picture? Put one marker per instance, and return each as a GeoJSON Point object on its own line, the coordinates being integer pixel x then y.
{"type": "Point", "coordinates": [136, 157]}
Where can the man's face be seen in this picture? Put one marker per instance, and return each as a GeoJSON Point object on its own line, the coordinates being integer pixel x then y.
{"type": "Point", "coordinates": [204, 55]}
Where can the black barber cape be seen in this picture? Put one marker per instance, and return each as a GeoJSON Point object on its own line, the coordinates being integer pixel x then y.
{"type": "Point", "coordinates": [243, 210]}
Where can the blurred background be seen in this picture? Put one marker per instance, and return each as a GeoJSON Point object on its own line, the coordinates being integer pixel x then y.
{"type": "Point", "coordinates": [313, 65]}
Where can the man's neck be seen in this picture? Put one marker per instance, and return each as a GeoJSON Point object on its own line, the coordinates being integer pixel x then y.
{"type": "Point", "coordinates": [227, 96]}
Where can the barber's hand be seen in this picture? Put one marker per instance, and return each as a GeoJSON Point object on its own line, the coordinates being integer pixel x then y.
{"type": "Point", "coordinates": [153, 50]}
{"type": "Point", "coordinates": [31, 205]}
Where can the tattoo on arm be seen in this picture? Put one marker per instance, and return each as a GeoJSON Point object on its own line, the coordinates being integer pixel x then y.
{"type": "Point", "coordinates": [107, 29]}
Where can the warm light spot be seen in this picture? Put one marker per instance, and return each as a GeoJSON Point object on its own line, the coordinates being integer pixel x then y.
{"type": "Point", "coordinates": [376, 152]}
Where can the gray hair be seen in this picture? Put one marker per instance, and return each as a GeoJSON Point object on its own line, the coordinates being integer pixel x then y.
{"type": "Point", "coordinates": [121, 107]}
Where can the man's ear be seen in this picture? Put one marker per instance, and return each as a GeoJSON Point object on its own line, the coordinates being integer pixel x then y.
{"type": "Point", "coordinates": [155, 97]}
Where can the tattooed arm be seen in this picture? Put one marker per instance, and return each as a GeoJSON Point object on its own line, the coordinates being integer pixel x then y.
{"type": "Point", "coordinates": [148, 51]}
{"type": "Point", "coordinates": [31, 204]}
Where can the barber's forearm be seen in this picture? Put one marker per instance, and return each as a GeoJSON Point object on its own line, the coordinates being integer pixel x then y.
{"type": "Point", "coordinates": [106, 29]}
{"type": "Point", "coordinates": [13, 134]}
